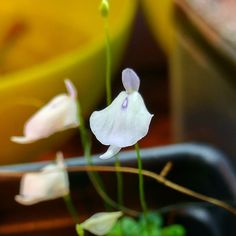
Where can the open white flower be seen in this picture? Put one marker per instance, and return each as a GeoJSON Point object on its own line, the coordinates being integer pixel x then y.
{"type": "Point", "coordinates": [100, 223]}
{"type": "Point", "coordinates": [59, 114]}
{"type": "Point", "coordinates": [50, 183]}
{"type": "Point", "coordinates": [125, 121]}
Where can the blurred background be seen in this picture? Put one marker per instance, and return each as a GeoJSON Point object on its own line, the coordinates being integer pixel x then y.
{"type": "Point", "coordinates": [183, 51]}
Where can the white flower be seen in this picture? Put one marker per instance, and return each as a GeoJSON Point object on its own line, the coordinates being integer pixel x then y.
{"type": "Point", "coordinates": [125, 121]}
{"type": "Point", "coordinates": [59, 114]}
{"type": "Point", "coordinates": [50, 183]}
{"type": "Point", "coordinates": [100, 223]}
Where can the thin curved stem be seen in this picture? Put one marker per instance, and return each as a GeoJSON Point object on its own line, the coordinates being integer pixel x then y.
{"type": "Point", "coordinates": [94, 177]}
{"type": "Point", "coordinates": [161, 180]}
{"type": "Point", "coordinates": [146, 173]}
{"type": "Point", "coordinates": [108, 61]}
{"type": "Point", "coordinates": [109, 99]}
{"type": "Point", "coordinates": [71, 208]}
{"type": "Point", "coordinates": [119, 178]}
{"type": "Point", "coordinates": [141, 185]}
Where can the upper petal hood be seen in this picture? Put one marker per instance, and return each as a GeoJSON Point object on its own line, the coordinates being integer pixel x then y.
{"type": "Point", "coordinates": [130, 80]}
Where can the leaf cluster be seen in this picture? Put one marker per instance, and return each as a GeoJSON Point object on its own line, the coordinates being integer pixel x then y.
{"type": "Point", "coordinates": [150, 224]}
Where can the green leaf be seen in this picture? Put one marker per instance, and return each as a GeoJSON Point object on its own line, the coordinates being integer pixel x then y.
{"type": "Point", "coordinates": [129, 226]}
{"type": "Point", "coordinates": [126, 226]}
{"type": "Point", "coordinates": [173, 230]}
{"type": "Point", "coordinates": [150, 232]}
{"type": "Point", "coordinates": [153, 220]}
{"type": "Point", "coordinates": [150, 224]}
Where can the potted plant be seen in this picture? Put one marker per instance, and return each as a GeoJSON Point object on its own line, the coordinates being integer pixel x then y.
{"type": "Point", "coordinates": [131, 176]}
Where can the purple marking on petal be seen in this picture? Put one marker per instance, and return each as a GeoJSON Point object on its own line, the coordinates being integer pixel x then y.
{"type": "Point", "coordinates": [125, 103]}
{"type": "Point", "coordinates": [130, 80]}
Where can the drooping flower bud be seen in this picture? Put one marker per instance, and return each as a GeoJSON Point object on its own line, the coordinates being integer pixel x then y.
{"type": "Point", "coordinates": [100, 223]}
{"type": "Point", "coordinates": [58, 115]}
{"type": "Point", "coordinates": [50, 183]}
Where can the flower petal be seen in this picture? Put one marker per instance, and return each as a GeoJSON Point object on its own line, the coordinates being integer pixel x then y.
{"type": "Point", "coordinates": [60, 160]}
{"type": "Point", "coordinates": [23, 139]}
{"type": "Point", "coordinates": [71, 88]}
{"type": "Point", "coordinates": [59, 114]}
{"type": "Point", "coordinates": [111, 151]}
{"type": "Point", "coordinates": [27, 201]}
{"type": "Point", "coordinates": [123, 123]}
{"type": "Point", "coordinates": [50, 183]}
{"type": "Point", "coordinates": [130, 80]}
{"type": "Point", "coordinates": [101, 223]}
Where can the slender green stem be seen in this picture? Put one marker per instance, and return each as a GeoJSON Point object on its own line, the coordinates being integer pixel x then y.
{"type": "Point", "coordinates": [71, 208]}
{"type": "Point", "coordinates": [86, 143]}
{"type": "Point", "coordinates": [141, 185]}
{"type": "Point", "coordinates": [94, 177]}
{"type": "Point", "coordinates": [119, 178]}
{"type": "Point", "coordinates": [108, 61]}
{"type": "Point", "coordinates": [108, 97]}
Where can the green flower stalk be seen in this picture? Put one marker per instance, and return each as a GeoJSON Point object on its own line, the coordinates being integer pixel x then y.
{"type": "Point", "coordinates": [71, 208]}
{"type": "Point", "coordinates": [94, 177]}
{"type": "Point", "coordinates": [123, 123]}
{"type": "Point", "coordinates": [141, 183]}
{"type": "Point", "coordinates": [104, 10]}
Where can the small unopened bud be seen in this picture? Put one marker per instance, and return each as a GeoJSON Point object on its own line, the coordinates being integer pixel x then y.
{"type": "Point", "coordinates": [104, 8]}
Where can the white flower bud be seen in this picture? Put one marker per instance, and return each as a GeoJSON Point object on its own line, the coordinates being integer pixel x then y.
{"type": "Point", "coordinates": [59, 114]}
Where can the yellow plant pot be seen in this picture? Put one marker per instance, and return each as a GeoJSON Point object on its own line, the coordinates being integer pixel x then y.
{"type": "Point", "coordinates": [59, 39]}
{"type": "Point", "coordinates": [159, 17]}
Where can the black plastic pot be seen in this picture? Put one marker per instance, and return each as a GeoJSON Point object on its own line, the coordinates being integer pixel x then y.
{"type": "Point", "coordinates": [197, 167]}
